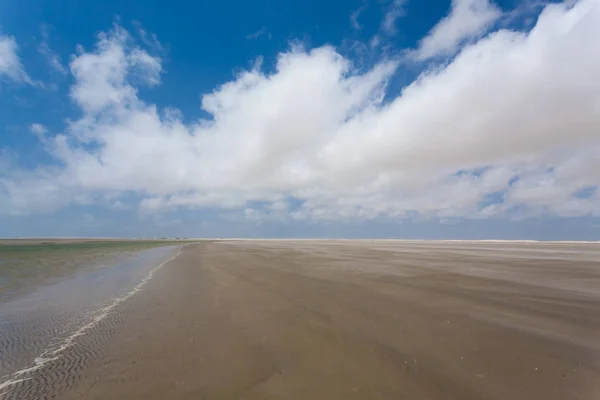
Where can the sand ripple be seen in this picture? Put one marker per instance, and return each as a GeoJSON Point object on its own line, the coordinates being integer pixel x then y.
{"type": "Point", "coordinates": [55, 345]}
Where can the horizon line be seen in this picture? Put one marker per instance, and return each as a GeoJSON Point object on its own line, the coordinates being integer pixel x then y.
{"type": "Point", "coordinates": [182, 238]}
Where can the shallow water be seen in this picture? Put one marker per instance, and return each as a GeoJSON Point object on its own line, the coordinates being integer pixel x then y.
{"type": "Point", "coordinates": [24, 267]}
{"type": "Point", "coordinates": [43, 315]}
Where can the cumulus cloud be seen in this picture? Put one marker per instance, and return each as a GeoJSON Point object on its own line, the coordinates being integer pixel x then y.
{"type": "Point", "coordinates": [467, 19]}
{"type": "Point", "coordinates": [10, 63]}
{"type": "Point", "coordinates": [509, 127]}
{"type": "Point", "coordinates": [103, 75]}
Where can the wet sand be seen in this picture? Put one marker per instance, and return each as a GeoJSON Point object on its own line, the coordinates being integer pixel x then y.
{"type": "Point", "coordinates": [352, 320]}
{"type": "Point", "coordinates": [63, 241]}
{"type": "Point", "coordinates": [79, 288]}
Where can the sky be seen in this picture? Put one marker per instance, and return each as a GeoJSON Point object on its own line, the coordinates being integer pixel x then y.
{"type": "Point", "coordinates": [462, 119]}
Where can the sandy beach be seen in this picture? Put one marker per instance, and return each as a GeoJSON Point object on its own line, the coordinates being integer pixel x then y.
{"type": "Point", "coordinates": [348, 320]}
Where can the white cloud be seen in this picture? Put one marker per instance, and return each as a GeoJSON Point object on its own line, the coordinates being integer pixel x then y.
{"type": "Point", "coordinates": [102, 76]}
{"type": "Point", "coordinates": [395, 11]}
{"type": "Point", "coordinates": [467, 19]}
{"type": "Point", "coordinates": [10, 63]}
{"type": "Point", "coordinates": [514, 115]}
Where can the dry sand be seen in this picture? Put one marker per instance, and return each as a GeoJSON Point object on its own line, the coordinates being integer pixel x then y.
{"type": "Point", "coordinates": [353, 320]}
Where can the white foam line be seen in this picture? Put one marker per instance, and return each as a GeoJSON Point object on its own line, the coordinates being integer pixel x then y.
{"type": "Point", "coordinates": [51, 355]}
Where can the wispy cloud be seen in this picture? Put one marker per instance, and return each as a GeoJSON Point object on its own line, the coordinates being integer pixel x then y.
{"type": "Point", "coordinates": [52, 57]}
{"type": "Point", "coordinates": [528, 9]}
{"type": "Point", "coordinates": [150, 40]}
{"type": "Point", "coordinates": [264, 31]}
{"type": "Point", "coordinates": [356, 14]}
{"type": "Point", "coordinates": [38, 129]}
{"type": "Point", "coordinates": [393, 13]}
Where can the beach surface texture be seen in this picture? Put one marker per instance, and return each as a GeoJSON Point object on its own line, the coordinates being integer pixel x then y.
{"type": "Point", "coordinates": [345, 320]}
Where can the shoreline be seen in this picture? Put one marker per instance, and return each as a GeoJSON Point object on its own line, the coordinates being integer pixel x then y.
{"type": "Point", "coordinates": [55, 351]}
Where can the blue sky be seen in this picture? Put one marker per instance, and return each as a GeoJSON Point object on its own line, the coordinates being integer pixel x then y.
{"type": "Point", "coordinates": [437, 119]}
